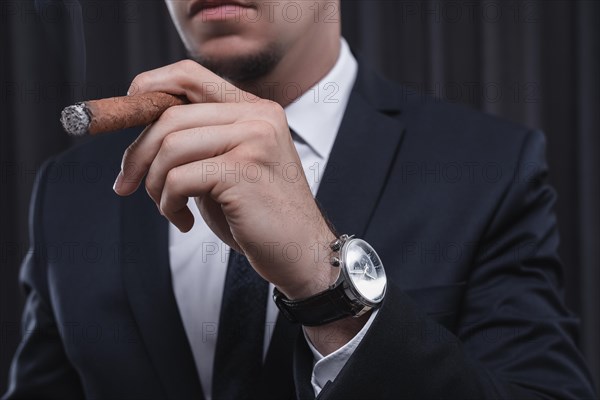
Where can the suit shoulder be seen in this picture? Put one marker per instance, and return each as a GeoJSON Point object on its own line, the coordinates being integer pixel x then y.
{"type": "Point", "coordinates": [435, 120]}
{"type": "Point", "coordinates": [458, 116]}
{"type": "Point", "coordinates": [85, 172]}
{"type": "Point", "coordinates": [103, 149]}
{"type": "Point", "coordinates": [461, 131]}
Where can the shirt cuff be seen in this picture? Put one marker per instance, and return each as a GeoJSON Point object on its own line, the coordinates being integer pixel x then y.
{"type": "Point", "coordinates": [327, 368]}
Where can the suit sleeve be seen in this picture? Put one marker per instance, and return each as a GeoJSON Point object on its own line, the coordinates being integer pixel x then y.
{"type": "Point", "coordinates": [40, 367]}
{"type": "Point", "coordinates": [515, 337]}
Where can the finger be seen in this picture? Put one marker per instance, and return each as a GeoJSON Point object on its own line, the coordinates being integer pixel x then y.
{"type": "Point", "coordinates": [141, 152]}
{"type": "Point", "coordinates": [183, 219]}
{"type": "Point", "coordinates": [183, 147]}
{"type": "Point", "coordinates": [213, 216]}
{"type": "Point", "coordinates": [182, 183]}
{"type": "Point", "coordinates": [190, 79]}
{"type": "Point", "coordinates": [187, 146]}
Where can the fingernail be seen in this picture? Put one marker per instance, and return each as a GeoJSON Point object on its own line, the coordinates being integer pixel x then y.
{"type": "Point", "coordinates": [132, 89]}
{"type": "Point", "coordinates": [118, 181]}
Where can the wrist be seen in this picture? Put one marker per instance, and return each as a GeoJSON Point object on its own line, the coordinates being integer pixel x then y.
{"type": "Point", "coordinates": [317, 273]}
{"type": "Point", "coordinates": [359, 288]}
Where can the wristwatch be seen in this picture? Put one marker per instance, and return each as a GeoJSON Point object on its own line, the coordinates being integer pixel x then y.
{"type": "Point", "coordinates": [359, 288]}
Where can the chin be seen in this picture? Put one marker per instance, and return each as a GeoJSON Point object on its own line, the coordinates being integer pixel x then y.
{"type": "Point", "coordinates": [236, 61]}
{"type": "Point", "coordinates": [229, 45]}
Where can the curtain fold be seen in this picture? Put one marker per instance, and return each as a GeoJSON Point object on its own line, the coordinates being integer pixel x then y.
{"type": "Point", "coordinates": [587, 117]}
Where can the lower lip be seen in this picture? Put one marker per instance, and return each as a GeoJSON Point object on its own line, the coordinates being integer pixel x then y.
{"type": "Point", "coordinates": [222, 13]}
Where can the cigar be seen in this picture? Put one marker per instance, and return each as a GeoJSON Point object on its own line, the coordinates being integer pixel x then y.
{"type": "Point", "coordinates": [116, 113]}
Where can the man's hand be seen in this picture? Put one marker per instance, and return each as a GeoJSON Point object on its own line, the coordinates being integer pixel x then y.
{"type": "Point", "coordinates": [233, 153]}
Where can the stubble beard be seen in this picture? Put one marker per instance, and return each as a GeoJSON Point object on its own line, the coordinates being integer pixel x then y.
{"type": "Point", "coordinates": [242, 69]}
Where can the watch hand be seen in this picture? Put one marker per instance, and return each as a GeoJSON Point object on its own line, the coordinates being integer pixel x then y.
{"type": "Point", "coordinates": [368, 270]}
{"type": "Point", "coordinates": [357, 272]}
{"type": "Point", "coordinates": [372, 276]}
{"type": "Point", "coordinates": [365, 272]}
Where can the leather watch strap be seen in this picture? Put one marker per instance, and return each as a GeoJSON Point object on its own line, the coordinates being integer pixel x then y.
{"type": "Point", "coordinates": [320, 309]}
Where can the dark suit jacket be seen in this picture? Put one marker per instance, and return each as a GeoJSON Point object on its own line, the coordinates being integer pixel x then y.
{"type": "Point", "coordinates": [455, 202]}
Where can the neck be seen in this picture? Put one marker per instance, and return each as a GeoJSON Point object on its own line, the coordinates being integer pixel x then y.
{"type": "Point", "coordinates": [303, 66]}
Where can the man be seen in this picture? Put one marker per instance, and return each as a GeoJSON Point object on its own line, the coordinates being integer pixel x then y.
{"type": "Point", "coordinates": [454, 202]}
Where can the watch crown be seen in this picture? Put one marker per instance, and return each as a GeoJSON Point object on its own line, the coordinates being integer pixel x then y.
{"type": "Point", "coordinates": [337, 244]}
{"type": "Point", "coordinates": [335, 261]}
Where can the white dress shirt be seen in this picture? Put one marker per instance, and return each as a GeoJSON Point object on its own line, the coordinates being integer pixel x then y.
{"type": "Point", "coordinates": [199, 259]}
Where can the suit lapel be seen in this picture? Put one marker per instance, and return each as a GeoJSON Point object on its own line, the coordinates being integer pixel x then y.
{"type": "Point", "coordinates": [147, 276]}
{"type": "Point", "coordinates": [362, 155]}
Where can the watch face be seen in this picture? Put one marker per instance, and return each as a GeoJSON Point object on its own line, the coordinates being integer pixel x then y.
{"type": "Point", "coordinates": [365, 270]}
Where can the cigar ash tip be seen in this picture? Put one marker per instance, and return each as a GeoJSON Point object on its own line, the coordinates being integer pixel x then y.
{"type": "Point", "coordinates": [75, 119]}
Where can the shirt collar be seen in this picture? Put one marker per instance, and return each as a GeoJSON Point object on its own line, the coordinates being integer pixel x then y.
{"type": "Point", "coordinates": [316, 116]}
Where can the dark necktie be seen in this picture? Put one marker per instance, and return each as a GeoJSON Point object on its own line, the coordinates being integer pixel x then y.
{"type": "Point", "coordinates": [238, 356]}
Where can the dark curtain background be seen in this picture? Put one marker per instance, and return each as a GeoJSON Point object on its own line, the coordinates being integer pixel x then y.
{"type": "Point", "coordinates": [535, 62]}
